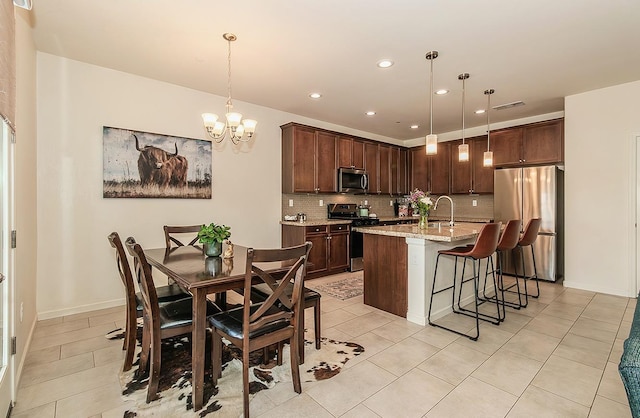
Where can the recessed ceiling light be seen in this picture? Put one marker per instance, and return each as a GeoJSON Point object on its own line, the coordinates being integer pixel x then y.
{"type": "Point", "coordinates": [370, 113]}
{"type": "Point", "coordinates": [315, 95]}
{"type": "Point", "coordinates": [415, 126]}
{"type": "Point", "coordinates": [441, 92]}
{"type": "Point", "coordinates": [479, 111]}
{"type": "Point", "coordinates": [385, 63]}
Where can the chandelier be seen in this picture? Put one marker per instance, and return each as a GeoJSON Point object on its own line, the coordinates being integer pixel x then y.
{"type": "Point", "coordinates": [234, 124]}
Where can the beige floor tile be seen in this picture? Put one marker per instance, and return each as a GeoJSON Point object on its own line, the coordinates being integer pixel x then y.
{"type": "Point", "coordinates": [611, 300]}
{"type": "Point", "coordinates": [360, 411]}
{"type": "Point", "coordinates": [584, 350]}
{"type": "Point", "coordinates": [107, 318]}
{"type": "Point", "coordinates": [372, 343]}
{"type": "Point", "coordinates": [414, 394]}
{"type": "Point", "coordinates": [359, 309]}
{"type": "Point", "coordinates": [299, 406]}
{"type": "Point", "coordinates": [341, 393]}
{"type": "Point", "coordinates": [616, 351]}
{"type": "Point", "coordinates": [43, 411]}
{"type": "Point", "coordinates": [606, 408]}
{"type": "Point", "coordinates": [573, 298]}
{"type": "Point", "coordinates": [536, 402]}
{"type": "Point", "coordinates": [624, 330]}
{"type": "Point", "coordinates": [550, 325]}
{"type": "Point", "coordinates": [403, 356]}
{"type": "Point", "coordinates": [435, 336]}
{"type": "Point", "coordinates": [333, 318]}
{"type": "Point", "coordinates": [611, 386]}
{"type": "Point", "coordinates": [533, 308]}
{"type": "Point", "coordinates": [43, 331]}
{"type": "Point", "coordinates": [90, 402]}
{"type": "Point", "coordinates": [454, 363]}
{"type": "Point", "coordinates": [629, 313]}
{"type": "Point", "coordinates": [491, 339]}
{"type": "Point", "coordinates": [70, 337]}
{"type": "Point", "coordinates": [85, 346]}
{"type": "Point", "coordinates": [514, 322]}
{"type": "Point", "coordinates": [508, 371]}
{"type": "Point", "coordinates": [603, 312]}
{"type": "Point", "coordinates": [597, 330]}
{"type": "Point", "coordinates": [50, 321]}
{"type": "Point", "coordinates": [363, 324]}
{"type": "Point", "coordinates": [397, 330]}
{"type": "Point", "coordinates": [109, 355]}
{"type": "Point", "coordinates": [563, 310]}
{"type": "Point", "coordinates": [44, 355]}
{"type": "Point", "coordinates": [42, 372]}
{"type": "Point", "coordinates": [569, 379]}
{"type": "Point", "coordinates": [90, 314]}
{"type": "Point", "coordinates": [473, 398]}
{"type": "Point", "coordinates": [533, 345]}
{"type": "Point", "coordinates": [118, 411]}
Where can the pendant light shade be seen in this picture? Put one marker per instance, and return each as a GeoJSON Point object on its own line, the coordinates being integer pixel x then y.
{"type": "Point", "coordinates": [487, 160]}
{"type": "Point", "coordinates": [463, 149]}
{"type": "Point", "coordinates": [431, 139]}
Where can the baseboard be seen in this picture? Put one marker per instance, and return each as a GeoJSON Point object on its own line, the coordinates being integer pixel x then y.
{"type": "Point", "coordinates": [27, 345]}
{"type": "Point", "coordinates": [80, 309]}
{"type": "Point", "coordinates": [600, 289]}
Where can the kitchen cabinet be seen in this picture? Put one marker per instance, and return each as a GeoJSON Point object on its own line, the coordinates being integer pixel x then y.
{"type": "Point", "coordinates": [470, 176]}
{"type": "Point", "coordinates": [536, 143]}
{"type": "Point", "coordinates": [308, 160]}
{"type": "Point", "coordinates": [371, 162]}
{"type": "Point", "coordinates": [431, 173]}
{"type": "Point", "coordinates": [330, 251]}
{"type": "Point", "coordinates": [384, 169]}
{"type": "Point", "coordinates": [399, 171]}
{"type": "Point", "coordinates": [350, 152]}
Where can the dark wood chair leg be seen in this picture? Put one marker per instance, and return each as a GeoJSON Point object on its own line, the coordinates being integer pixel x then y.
{"type": "Point", "coordinates": [316, 318]}
{"type": "Point", "coordinates": [295, 364]}
{"type": "Point", "coordinates": [154, 373]}
{"type": "Point", "coordinates": [129, 344]}
{"type": "Point", "coordinates": [216, 357]}
{"type": "Point", "coordinates": [245, 381]}
{"type": "Point", "coordinates": [146, 346]}
{"type": "Point", "coordinates": [301, 337]}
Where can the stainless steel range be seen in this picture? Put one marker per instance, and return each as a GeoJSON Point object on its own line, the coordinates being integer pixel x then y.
{"type": "Point", "coordinates": [350, 212]}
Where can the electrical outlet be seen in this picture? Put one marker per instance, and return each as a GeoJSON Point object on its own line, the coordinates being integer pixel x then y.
{"type": "Point", "coordinates": [290, 203]}
{"type": "Point", "coordinates": [391, 203]}
{"type": "Point", "coordinates": [474, 202]}
{"type": "Point", "coordinates": [366, 202]}
{"type": "Point", "coordinates": [321, 203]}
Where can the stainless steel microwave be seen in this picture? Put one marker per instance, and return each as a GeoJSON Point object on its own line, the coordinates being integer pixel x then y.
{"type": "Point", "coordinates": [352, 180]}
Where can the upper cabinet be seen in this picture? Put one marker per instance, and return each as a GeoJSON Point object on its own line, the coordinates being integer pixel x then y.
{"type": "Point", "coordinates": [431, 173]}
{"type": "Point", "coordinates": [350, 152]}
{"type": "Point", "coordinates": [308, 160]}
{"type": "Point", "coordinates": [471, 176]}
{"type": "Point", "coordinates": [537, 143]}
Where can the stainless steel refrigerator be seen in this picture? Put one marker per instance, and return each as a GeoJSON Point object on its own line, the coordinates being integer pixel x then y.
{"type": "Point", "coordinates": [533, 192]}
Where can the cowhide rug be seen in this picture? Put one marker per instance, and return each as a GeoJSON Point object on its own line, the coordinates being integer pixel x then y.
{"type": "Point", "coordinates": [225, 399]}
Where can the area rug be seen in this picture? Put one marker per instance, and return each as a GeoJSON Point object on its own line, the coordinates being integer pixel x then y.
{"type": "Point", "coordinates": [342, 289]}
{"type": "Point", "coordinates": [225, 399]}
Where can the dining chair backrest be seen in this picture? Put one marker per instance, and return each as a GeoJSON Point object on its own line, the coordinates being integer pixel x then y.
{"type": "Point", "coordinates": [171, 231]}
{"type": "Point", "coordinates": [124, 268]}
{"type": "Point", "coordinates": [530, 232]}
{"type": "Point", "coordinates": [295, 259]}
{"type": "Point", "coordinates": [510, 236]}
{"type": "Point", "coordinates": [487, 241]}
{"type": "Point", "coordinates": [145, 281]}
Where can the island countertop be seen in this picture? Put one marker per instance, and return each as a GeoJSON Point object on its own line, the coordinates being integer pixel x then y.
{"type": "Point", "coordinates": [444, 233]}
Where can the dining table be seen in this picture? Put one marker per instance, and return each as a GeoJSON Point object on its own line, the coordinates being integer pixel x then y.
{"type": "Point", "coordinates": [200, 275]}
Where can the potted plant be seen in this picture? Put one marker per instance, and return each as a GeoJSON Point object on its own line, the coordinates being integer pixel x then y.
{"type": "Point", "coordinates": [212, 236]}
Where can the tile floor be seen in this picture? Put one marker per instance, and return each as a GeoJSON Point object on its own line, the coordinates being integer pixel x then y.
{"type": "Point", "coordinates": [556, 358]}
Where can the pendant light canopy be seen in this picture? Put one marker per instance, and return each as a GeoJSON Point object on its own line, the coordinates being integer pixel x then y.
{"type": "Point", "coordinates": [463, 149]}
{"type": "Point", "coordinates": [487, 160]}
{"type": "Point", "coordinates": [431, 140]}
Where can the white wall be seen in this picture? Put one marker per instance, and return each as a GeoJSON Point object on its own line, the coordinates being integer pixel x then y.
{"type": "Point", "coordinates": [76, 268]}
{"type": "Point", "coordinates": [598, 189]}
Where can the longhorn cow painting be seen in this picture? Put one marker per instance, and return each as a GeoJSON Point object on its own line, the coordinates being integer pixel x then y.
{"type": "Point", "coordinates": [147, 165]}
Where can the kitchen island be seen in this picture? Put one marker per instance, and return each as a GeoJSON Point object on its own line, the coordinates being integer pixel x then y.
{"type": "Point", "coordinates": [399, 262]}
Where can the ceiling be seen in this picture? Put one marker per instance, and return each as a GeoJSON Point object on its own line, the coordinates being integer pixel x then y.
{"type": "Point", "coordinates": [535, 51]}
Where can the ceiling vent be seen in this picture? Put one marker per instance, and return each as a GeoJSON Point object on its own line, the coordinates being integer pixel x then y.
{"type": "Point", "coordinates": [508, 105]}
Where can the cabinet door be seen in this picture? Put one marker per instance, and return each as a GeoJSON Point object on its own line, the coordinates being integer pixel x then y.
{"type": "Point", "coordinates": [338, 251]}
{"type": "Point", "coordinates": [318, 254]}
{"type": "Point", "coordinates": [357, 154]}
{"type": "Point", "coordinates": [394, 166]}
{"type": "Point", "coordinates": [326, 172]}
{"type": "Point", "coordinates": [543, 142]}
{"type": "Point", "coordinates": [403, 172]}
{"type": "Point", "coordinates": [460, 170]}
{"type": "Point", "coordinates": [371, 161]}
{"type": "Point", "coordinates": [482, 176]}
{"type": "Point", "coordinates": [419, 169]}
{"type": "Point", "coordinates": [384, 169]}
{"type": "Point", "coordinates": [439, 170]}
{"type": "Point", "coordinates": [304, 160]}
{"type": "Point", "coordinates": [507, 146]}
{"type": "Point", "coordinates": [345, 151]}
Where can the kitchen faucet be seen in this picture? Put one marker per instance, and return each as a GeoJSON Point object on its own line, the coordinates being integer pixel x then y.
{"type": "Point", "coordinates": [435, 206]}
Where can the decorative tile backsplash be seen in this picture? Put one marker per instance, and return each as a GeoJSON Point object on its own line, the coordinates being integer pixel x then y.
{"type": "Point", "coordinates": [315, 205]}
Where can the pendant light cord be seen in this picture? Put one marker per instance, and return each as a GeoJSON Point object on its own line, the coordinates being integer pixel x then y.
{"type": "Point", "coordinates": [229, 104]}
{"type": "Point", "coordinates": [431, 97]}
{"type": "Point", "coordinates": [463, 79]}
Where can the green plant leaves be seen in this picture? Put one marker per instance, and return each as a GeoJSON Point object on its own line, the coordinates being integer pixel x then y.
{"type": "Point", "coordinates": [211, 233]}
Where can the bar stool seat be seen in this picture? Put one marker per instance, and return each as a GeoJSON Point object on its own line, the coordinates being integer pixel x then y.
{"type": "Point", "coordinates": [484, 248]}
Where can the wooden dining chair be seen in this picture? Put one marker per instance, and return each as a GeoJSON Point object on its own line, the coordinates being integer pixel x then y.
{"type": "Point", "coordinates": [171, 234]}
{"type": "Point", "coordinates": [159, 321]}
{"type": "Point", "coordinates": [133, 300]}
{"type": "Point", "coordinates": [257, 325]}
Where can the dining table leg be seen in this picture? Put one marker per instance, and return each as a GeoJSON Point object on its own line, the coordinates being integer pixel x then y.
{"type": "Point", "coordinates": [198, 346]}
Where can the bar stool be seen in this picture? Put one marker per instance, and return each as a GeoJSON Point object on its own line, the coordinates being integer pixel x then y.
{"type": "Point", "coordinates": [528, 238]}
{"type": "Point", "coordinates": [484, 248]}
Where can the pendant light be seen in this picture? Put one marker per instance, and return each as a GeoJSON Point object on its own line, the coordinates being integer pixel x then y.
{"type": "Point", "coordinates": [463, 149]}
{"type": "Point", "coordinates": [431, 139]}
{"type": "Point", "coordinates": [487, 159]}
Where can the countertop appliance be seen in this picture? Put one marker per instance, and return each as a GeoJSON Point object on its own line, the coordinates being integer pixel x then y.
{"type": "Point", "coordinates": [352, 180]}
{"type": "Point", "coordinates": [533, 192]}
{"type": "Point", "coordinates": [350, 211]}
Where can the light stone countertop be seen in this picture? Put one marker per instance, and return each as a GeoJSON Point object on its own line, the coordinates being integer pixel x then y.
{"type": "Point", "coordinates": [317, 222]}
{"type": "Point", "coordinates": [461, 231]}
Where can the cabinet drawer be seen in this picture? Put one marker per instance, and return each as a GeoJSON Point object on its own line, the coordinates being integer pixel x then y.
{"type": "Point", "coordinates": [338, 228]}
{"type": "Point", "coordinates": [317, 229]}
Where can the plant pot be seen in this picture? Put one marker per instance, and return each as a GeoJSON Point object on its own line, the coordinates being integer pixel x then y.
{"type": "Point", "coordinates": [213, 265]}
{"type": "Point", "coordinates": [213, 250]}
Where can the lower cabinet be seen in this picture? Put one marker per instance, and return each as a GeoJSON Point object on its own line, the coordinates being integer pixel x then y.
{"type": "Point", "coordinates": [330, 251]}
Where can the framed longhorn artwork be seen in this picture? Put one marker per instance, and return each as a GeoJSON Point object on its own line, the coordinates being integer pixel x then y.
{"type": "Point", "coordinates": [146, 165]}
